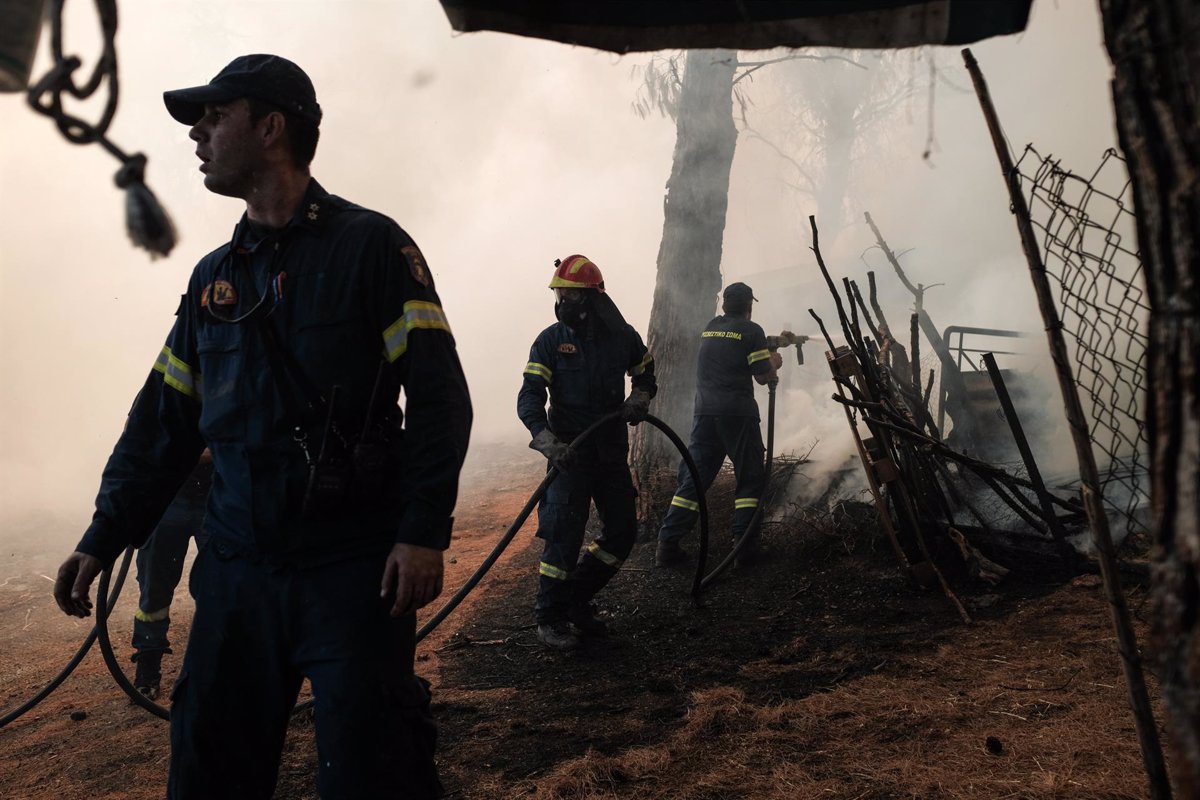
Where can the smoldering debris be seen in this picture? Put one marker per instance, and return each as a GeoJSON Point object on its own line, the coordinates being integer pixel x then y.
{"type": "Point", "coordinates": [956, 485]}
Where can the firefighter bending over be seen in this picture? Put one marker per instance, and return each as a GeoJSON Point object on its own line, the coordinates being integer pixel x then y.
{"type": "Point", "coordinates": [732, 351]}
{"type": "Point", "coordinates": [581, 361]}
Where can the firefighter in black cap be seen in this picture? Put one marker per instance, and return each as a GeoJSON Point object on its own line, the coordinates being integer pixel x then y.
{"type": "Point", "coordinates": [330, 506]}
{"type": "Point", "coordinates": [733, 352]}
{"type": "Point", "coordinates": [581, 362]}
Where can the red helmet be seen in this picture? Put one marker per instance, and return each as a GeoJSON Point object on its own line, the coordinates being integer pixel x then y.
{"type": "Point", "coordinates": [577, 272]}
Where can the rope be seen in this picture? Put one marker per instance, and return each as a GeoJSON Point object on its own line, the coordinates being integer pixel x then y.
{"type": "Point", "coordinates": [146, 222]}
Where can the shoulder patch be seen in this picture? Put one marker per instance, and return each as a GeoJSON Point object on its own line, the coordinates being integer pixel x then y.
{"type": "Point", "coordinates": [416, 264]}
{"type": "Point", "coordinates": [567, 347]}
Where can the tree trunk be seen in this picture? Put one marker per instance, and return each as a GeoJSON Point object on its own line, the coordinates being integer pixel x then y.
{"type": "Point", "coordinates": [689, 257]}
{"type": "Point", "coordinates": [1155, 51]}
{"type": "Point", "coordinates": [838, 146]}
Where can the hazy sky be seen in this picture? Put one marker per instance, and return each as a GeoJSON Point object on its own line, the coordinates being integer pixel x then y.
{"type": "Point", "coordinates": [497, 154]}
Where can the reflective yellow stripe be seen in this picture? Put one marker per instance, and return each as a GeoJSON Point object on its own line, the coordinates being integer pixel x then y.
{"type": "Point", "coordinates": [417, 314]}
{"type": "Point", "coordinates": [604, 556]}
{"type": "Point", "coordinates": [640, 368]}
{"type": "Point", "coordinates": [395, 340]}
{"type": "Point", "coordinates": [551, 571]}
{"type": "Point", "coordinates": [562, 283]}
{"type": "Point", "coordinates": [540, 370]}
{"type": "Point", "coordinates": [758, 355]}
{"type": "Point", "coordinates": [746, 502]}
{"type": "Point", "coordinates": [152, 616]}
{"type": "Point", "coordinates": [683, 502]}
{"type": "Point", "coordinates": [177, 374]}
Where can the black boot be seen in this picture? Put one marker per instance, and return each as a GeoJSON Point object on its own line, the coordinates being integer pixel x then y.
{"type": "Point", "coordinates": [148, 679]}
{"type": "Point", "coordinates": [752, 553]}
{"type": "Point", "coordinates": [668, 553]}
{"type": "Point", "coordinates": [583, 617]}
{"type": "Point", "coordinates": [557, 635]}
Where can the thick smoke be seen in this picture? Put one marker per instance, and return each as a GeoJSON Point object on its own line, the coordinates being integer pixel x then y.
{"type": "Point", "coordinates": [498, 154]}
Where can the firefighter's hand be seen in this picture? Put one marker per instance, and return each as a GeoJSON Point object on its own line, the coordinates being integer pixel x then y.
{"type": "Point", "coordinates": [776, 361]}
{"type": "Point", "coordinates": [75, 578]}
{"type": "Point", "coordinates": [636, 407]}
{"type": "Point", "coordinates": [557, 453]}
{"type": "Point", "coordinates": [414, 575]}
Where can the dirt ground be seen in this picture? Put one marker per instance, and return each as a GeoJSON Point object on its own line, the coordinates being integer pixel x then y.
{"type": "Point", "coordinates": [820, 673]}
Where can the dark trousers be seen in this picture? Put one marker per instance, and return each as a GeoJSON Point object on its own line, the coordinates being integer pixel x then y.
{"type": "Point", "coordinates": [714, 438]}
{"type": "Point", "coordinates": [257, 632]}
{"type": "Point", "coordinates": [159, 569]}
{"type": "Point", "coordinates": [565, 578]}
{"type": "Point", "coordinates": [160, 559]}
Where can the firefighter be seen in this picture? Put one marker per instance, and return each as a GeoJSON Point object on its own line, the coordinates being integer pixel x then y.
{"type": "Point", "coordinates": [159, 568]}
{"type": "Point", "coordinates": [581, 362]}
{"type": "Point", "coordinates": [733, 350]}
{"type": "Point", "coordinates": [327, 518]}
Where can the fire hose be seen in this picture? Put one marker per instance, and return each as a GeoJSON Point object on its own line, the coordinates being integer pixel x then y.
{"type": "Point", "coordinates": [700, 581]}
{"type": "Point", "coordinates": [697, 583]}
{"type": "Point", "coordinates": [25, 707]}
{"type": "Point", "coordinates": [100, 631]}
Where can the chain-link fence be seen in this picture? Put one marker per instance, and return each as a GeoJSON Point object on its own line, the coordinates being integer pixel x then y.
{"type": "Point", "coordinates": [1088, 234]}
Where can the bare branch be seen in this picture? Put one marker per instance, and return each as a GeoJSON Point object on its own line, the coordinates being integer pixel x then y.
{"type": "Point", "coordinates": [757, 65]}
{"type": "Point", "coordinates": [800, 169]}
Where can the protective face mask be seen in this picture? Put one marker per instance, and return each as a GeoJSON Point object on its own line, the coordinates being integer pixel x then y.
{"type": "Point", "coordinates": [571, 314]}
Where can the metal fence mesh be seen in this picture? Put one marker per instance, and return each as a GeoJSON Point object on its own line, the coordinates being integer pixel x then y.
{"type": "Point", "coordinates": [1088, 234]}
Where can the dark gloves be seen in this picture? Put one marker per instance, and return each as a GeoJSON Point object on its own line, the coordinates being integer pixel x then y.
{"type": "Point", "coordinates": [636, 406]}
{"type": "Point", "coordinates": [557, 453]}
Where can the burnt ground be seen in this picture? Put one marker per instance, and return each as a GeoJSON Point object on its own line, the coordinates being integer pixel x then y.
{"type": "Point", "coordinates": [821, 672]}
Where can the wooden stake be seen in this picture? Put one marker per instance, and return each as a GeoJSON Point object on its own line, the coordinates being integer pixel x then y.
{"type": "Point", "coordinates": [1131, 661]}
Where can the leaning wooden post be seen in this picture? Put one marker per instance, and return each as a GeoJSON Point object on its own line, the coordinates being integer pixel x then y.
{"type": "Point", "coordinates": [1131, 660]}
{"type": "Point", "coordinates": [1031, 467]}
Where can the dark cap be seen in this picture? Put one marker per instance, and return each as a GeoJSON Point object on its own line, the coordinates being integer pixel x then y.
{"type": "Point", "coordinates": [738, 291]}
{"type": "Point", "coordinates": [272, 79]}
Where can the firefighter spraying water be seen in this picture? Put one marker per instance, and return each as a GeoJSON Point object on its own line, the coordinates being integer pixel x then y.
{"type": "Point", "coordinates": [733, 351]}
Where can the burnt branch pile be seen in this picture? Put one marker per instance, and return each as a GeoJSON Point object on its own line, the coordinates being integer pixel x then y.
{"type": "Point", "coordinates": [936, 497]}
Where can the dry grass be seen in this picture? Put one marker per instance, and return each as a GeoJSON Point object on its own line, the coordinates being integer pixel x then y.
{"type": "Point", "coordinates": [863, 701]}
{"type": "Point", "coordinates": [1052, 711]}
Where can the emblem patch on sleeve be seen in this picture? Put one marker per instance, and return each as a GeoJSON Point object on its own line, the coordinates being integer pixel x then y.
{"type": "Point", "coordinates": [416, 264]}
{"type": "Point", "coordinates": [222, 293]}
{"type": "Point", "coordinates": [567, 347]}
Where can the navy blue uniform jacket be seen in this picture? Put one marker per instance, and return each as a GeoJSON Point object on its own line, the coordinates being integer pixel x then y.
{"type": "Point", "coordinates": [345, 289]}
{"type": "Point", "coordinates": [732, 351]}
{"type": "Point", "coordinates": [585, 379]}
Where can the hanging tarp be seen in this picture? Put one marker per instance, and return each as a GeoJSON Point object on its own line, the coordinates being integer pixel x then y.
{"type": "Point", "coordinates": [623, 26]}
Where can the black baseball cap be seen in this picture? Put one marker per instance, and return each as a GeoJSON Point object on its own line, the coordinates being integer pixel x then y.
{"type": "Point", "coordinates": [739, 291]}
{"type": "Point", "coordinates": [272, 79]}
